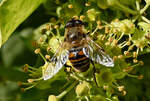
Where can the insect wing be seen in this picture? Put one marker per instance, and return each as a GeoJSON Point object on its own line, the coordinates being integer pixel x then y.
{"type": "Point", "coordinates": [97, 54]}
{"type": "Point", "coordinates": [57, 62]}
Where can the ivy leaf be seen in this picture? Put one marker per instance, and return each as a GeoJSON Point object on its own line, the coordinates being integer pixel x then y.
{"type": "Point", "coordinates": [13, 13]}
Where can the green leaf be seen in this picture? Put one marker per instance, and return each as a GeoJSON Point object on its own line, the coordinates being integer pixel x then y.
{"type": "Point", "coordinates": [13, 13]}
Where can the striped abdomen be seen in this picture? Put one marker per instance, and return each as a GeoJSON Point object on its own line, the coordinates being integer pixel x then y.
{"type": "Point", "coordinates": [79, 61]}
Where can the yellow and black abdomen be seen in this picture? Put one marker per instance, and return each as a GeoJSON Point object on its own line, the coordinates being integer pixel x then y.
{"type": "Point", "coordinates": [78, 60]}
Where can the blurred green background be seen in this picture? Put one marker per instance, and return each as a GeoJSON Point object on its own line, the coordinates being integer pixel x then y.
{"type": "Point", "coordinates": [16, 52]}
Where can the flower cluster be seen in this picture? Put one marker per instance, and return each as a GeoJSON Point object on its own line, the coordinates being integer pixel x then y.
{"type": "Point", "coordinates": [123, 39]}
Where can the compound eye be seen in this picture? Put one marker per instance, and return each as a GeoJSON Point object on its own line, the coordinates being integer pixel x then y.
{"type": "Point", "coordinates": [69, 24]}
{"type": "Point", "coordinates": [79, 22]}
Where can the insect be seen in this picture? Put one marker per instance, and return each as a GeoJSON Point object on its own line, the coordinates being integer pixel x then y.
{"type": "Point", "coordinates": [79, 49]}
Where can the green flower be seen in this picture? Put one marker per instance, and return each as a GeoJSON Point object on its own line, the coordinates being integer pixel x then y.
{"type": "Point", "coordinates": [104, 77]}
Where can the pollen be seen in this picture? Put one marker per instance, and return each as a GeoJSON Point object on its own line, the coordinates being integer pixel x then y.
{"type": "Point", "coordinates": [47, 57]}
{"type": "Point", "coordinates": [126, 53]}
{"type": "Point", "coordinates": [135, 61]}
{"type": "Point", "coordinates": [105, 87]}
{"type": "Point", "coordinates": [128, 43]}
{"type": "Point", "coordinates": [140, 77]}
{"type": "Point", "coordinates": [115, 58]}
{"type": "Point", "coordinates": [121, 88]}
{"type": "Point", "coordinates": [37, 51]}
{"type": "Point", "coordinates": [56, 26]}
{"type": "Point", "coordinates": [141, 63]}
{"type": "Point", "coordinates": [106, 30]}
{"type": "Point", "coordinates": [82, 17]}
{"type": "Point", "coordinates": [127, 69]}
{"type": "Point", "coordinates": [19, 83]}
{"type": "Point", "coordinates": [124, 92]}
{"type": "Point", "coordinates": [25, 67]}
{"type": "Point", "coordinates": [87, 4]}
{"type": "Point", "coordinates": [48, 48]}
{"type": "Point", "coordinates": [70, 6]}
{"type": "Point", "coordinates": [41, 39]}
{"type": "Point", "coordinates": [30, 80]}
{"type": "Point", "coordinates": [120, 56]}
{"type": "Point", "coordinates": [116, 20]}
{"type": "Point", "coordinates": [48, 26]}
{"type": "Point", "coordinates": [134, 54]}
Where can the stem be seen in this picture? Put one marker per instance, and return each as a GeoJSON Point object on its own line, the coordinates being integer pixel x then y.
{"type": "Point", "coordinates": [130, 75]}
{"type": "Point", "coordinates": [87, 99]}
{"type": "Point", "coordinates": [42, 57]}
{"type": "Point", "coordinates": [145, 19]}
{"type": "Point", "coordinates": [94, 31]}
{"type": "Point", "coordinates": [38, 79]}
{"type": "Point", "coordinates": [144, 9]}
{"type": "Point", "coordinates": [108, 99]}
{"type": "Point", "coordinates": [58, 34]}
{"type": "Point", "coordinates": [31, 71]}
{"type": "Point", "coordinates": [137, 5]}
{"type": "Point", "coordinates": [30, 87]}
{"type": "Point", "coordinates": [121, 36]}
{"type": "Point", "coordinates": [135, 65]}
{"type": "Point", "coordinates": [67, 90]}
{"type": "Point", "coordinates": [52, 33]}
{"type": "Point", "coordinates": [126, 9]}
{"type": "Point", "coordinates": [33, 68]}
{"type": "Point", "coordinates": [135, 18]}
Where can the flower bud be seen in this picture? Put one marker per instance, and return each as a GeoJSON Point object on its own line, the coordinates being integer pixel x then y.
{"type": "Point", "coordinates": [102, 4]}
{"type": "Point", "coordinates": [52, 98]}
{"type": "Point", "coordinates": [82, 89]}
{"type": "Point", "coordinates": [92, 14]}
{"type": "Point", "coordinates": [104, 77]}
{"type": "Point", "coordinates": [53, 20]}
{"type": "Point", "coordinates": [115, 98]}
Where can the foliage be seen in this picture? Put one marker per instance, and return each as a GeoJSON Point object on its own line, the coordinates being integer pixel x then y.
{"type": "Point", "coordinates": [122, 28]}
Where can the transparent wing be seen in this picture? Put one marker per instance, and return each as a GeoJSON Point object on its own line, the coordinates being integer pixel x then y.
{"type": "Point", "coordinates": [97, 54]}
{"type": "Point", "coordinates": [57, 62]}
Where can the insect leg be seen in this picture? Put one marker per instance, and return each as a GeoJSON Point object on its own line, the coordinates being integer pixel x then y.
{"type": "Point", "coordinates": [68, 70]}
{"type": "Point", "coordinates": [94, 71]}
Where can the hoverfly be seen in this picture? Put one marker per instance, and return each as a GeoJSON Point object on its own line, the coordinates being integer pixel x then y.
{"type": "Point", "coordinates": [79, 49]}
